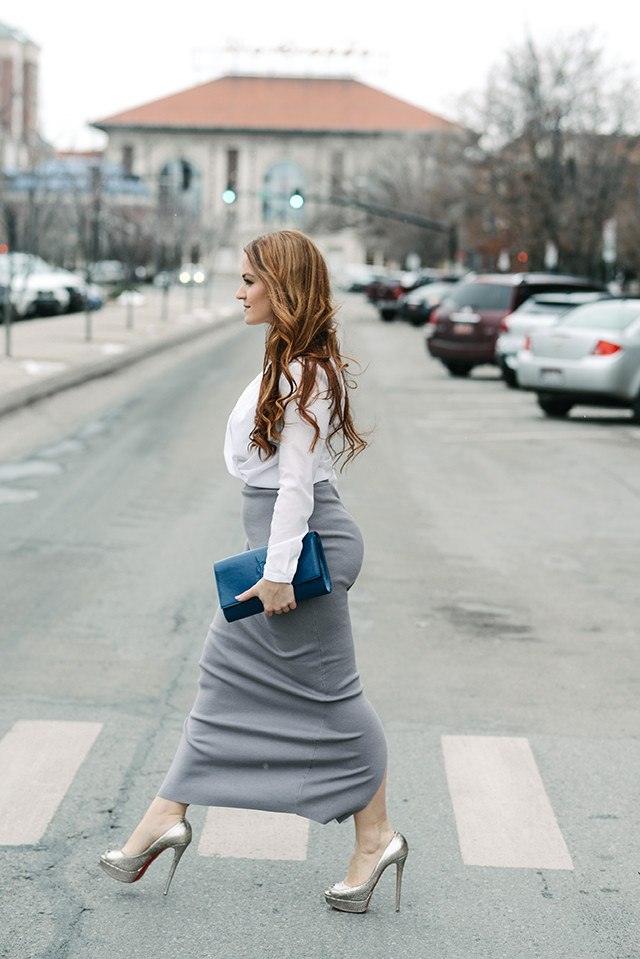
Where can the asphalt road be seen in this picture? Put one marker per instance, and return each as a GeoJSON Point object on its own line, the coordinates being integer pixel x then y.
{"type": "Point", "coordinates": [498, 604]}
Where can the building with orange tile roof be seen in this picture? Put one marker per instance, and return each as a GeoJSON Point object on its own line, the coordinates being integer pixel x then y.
{"type": "Point", "coordinates": [258, 140]}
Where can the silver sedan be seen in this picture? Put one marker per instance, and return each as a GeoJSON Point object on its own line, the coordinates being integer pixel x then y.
{"type": "Point", "coordinates": [590, 357]}
{"type": "Point", "coordinates": [540, 310]}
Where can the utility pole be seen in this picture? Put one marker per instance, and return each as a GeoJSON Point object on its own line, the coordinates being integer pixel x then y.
{"type": "Point", "coordinates": [4, 248]}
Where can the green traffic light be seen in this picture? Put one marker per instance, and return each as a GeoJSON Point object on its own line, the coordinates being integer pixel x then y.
{"type": "Point", "coordinates": [229, 196]}
{"type": "Point", "coordinates": [296, 200]}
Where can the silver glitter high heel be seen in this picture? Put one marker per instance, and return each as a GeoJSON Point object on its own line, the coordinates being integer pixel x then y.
{"type": "Point", "coordinates": [131, 868]}
{"type": "Point", "coordinates": [357, 898]}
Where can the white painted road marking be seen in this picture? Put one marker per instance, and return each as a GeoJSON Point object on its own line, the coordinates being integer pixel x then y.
{"type": "Point", "coordinates": [502, 812]}
{"type": "Point", "coordinates": [38, 761]}
{"type": "Point", "coordinates": [252, 834]}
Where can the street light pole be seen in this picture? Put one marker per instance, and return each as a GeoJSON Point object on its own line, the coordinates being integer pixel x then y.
{"type": "Point", "coordinates": [416, 219]}
{"type": "Point", "coordinates": [297, 200]}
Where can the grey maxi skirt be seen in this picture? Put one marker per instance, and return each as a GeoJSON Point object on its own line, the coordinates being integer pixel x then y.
{"type": "Point", "coordinates": [280, 721]}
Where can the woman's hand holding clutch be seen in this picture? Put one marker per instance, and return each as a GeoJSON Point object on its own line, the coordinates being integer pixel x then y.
{"type": "Point", "coordinates": [275, 597]}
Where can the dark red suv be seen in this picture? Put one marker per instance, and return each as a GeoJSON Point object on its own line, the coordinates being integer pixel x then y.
{"type": "Point", "coordinates": [462, 332]}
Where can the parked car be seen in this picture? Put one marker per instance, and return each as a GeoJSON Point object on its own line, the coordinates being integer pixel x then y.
{"type": "Point", "coordinates": [39, 294]}
{"type": "Point", "coordinates": [14, 264]}
{"type": "Point", "coordinates": [356, 277]}
{"type": "Point", "coordinates": [465, 326]}
{"type": "Point", "coordinates": [36, 288]}
{"type": "Point", "coordinates": [417, 305]}
{"type": "Point", "coordinates": [95, 296]}
{"type": "Point", "coordinates": [78, 290]}
{"type": "Point", "coordinates": [47, 292]}
{"type": "Point", "coordinates": [591, 357]}
{"type": "Point", "coordinates": [538, 312]}
{"type": "Point", "coordinates": [387, 294]}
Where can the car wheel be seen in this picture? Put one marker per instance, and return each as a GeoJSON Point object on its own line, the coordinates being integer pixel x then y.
{"type": "Point", "coordinates": [457, 368]}
{"type": "Point", "coordinates": [635, 409]}
{"type": "Point", "coordinates": [387, 315]}
{"type": "Point", "coordinates": [509, 376]}
{"type": "Point", "coordinates": [554, 405]}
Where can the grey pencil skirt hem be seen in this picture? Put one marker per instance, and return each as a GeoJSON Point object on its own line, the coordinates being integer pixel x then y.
{"type": "Point", "coordinates": [280, 721]}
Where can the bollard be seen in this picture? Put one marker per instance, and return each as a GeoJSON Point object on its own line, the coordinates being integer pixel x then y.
{"type": "Point", "coordinates": [7, 330]}
{"type": "Point", "coordinates": [88, 326]}
{"type": "Point", "coordinates": [7, 311]}
{"type": "Point", "coordinates": [130, 295]}
{"type": "Point", "coordinates": [7, 308]}
{"type": "Point", "coordinates": [164, 315]}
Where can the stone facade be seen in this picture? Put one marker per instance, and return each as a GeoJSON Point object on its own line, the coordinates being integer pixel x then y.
{"type": "Point", "coordinates": [263, 171]}
{"type": "Point", "coordinates": [261, 140]}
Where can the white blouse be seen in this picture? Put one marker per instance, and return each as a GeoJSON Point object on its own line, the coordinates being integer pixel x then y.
{"type": "Point", "coordinates": [293, 470]}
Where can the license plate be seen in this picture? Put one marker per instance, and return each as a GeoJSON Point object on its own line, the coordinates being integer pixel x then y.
{"type": "Point", "coordinates": [551, 377]}
{"type": "Point", "coordinates": [464, 329]}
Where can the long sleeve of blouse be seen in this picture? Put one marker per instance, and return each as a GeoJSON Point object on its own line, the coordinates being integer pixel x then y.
{"type": "Point", "coordinates": [297, 468]}
{"type": "Point", "coordinates": [293, 470]}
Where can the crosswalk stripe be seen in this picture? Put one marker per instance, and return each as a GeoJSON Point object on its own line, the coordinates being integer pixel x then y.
{"type": "Point", "coordinates": [38, 761]}
{"type": "Point", "coordinates": [502, 812]}
{"type": "Point", "coordinates": [252, 834]}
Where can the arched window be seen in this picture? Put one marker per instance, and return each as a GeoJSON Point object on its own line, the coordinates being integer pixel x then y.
{"type": "Point", "coordinates": [180, 213]}
{"type": "Point", "coordinates": [180, 189]}
{"type": "Point", "coordinates": [281, 181]}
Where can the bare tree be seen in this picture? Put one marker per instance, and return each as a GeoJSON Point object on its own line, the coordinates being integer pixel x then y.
{"type": "Point", "coordinates": [74, 211]}
{"type": "Point", "coordinates": [555, 125]}
{"type": "Point", "coordinates": [427, 177]}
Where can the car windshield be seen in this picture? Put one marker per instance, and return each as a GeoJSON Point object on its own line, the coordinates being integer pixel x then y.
{"type": "Point", "coordinates": [426, 294]}
{"type": "Point", "coordinates": [536, 306]}
{"type": "Point", "coordinates": [479, 296]}
{"type": "Point", "coordinates": [603, 316]}
{"type": "Point", "coordinates": [20, 263]}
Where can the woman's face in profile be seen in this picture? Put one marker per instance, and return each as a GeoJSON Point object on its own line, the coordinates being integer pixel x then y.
{"type": "Point", "coordinates": [254, 297]}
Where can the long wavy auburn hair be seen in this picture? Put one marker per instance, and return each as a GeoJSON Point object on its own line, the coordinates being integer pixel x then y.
{"type": "Point", "coordinates": [296, 278]}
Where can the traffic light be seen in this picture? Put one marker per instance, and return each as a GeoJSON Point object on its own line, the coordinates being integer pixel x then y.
{"type": "Point", "coordinates": [296, 200]}
{"type": "Point", "coordinates": [229, 195]}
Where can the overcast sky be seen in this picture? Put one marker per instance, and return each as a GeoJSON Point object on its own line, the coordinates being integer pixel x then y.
{"type": "Point", "coordinates": [99, 59]}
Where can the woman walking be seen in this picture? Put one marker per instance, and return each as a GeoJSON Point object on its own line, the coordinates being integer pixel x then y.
{"type": "Point", "coordinates": [280, 721]}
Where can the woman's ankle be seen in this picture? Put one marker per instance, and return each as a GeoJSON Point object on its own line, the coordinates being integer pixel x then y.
{"type": "Point", "coordinates": [370, 839]}
{"type": "Point", "coordinates": [162, 808]}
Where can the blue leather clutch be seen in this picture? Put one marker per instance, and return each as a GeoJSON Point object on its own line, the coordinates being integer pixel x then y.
{"type": "Point", "coordinates": [235, 574]}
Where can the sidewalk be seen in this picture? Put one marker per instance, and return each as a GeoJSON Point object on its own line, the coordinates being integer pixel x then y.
{"type": "Point", "coordinates": [51, 354]}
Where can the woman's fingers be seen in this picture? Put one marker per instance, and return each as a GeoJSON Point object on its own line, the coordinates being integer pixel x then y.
{"type": "Point", "coordinates": [243, 597]}
{"type": "Point", "coordinates": [275, 597]}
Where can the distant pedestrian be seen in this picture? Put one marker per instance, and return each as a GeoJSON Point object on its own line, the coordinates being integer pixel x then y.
{"type": "Point", "coordinates": [280, 721]}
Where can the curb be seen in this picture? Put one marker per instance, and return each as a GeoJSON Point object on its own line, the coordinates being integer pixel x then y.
{"type": "Point", "coordinates": [83, 373]}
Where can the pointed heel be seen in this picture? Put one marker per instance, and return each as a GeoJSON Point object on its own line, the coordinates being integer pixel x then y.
{"type": "Point", "coordinates": [177, 855]}
{"type": "Point", "coordinates": [399, 871]}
